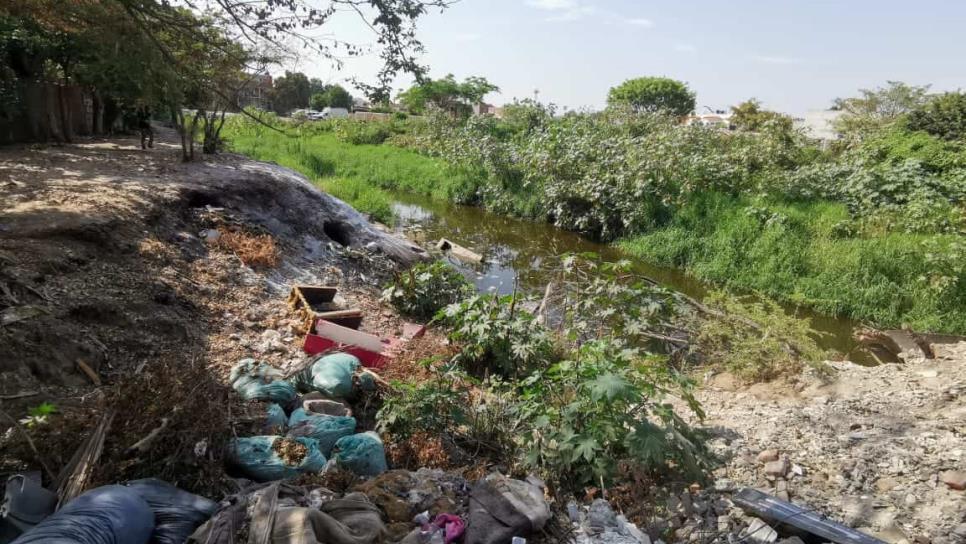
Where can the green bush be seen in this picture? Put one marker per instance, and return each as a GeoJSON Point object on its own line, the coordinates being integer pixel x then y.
{"type": "Point", "coordinates": [606, 405]}
{"type": "Point", "coordinates": [943, 116]}
{"type": "Point", "coordinates": [427, 288]}
{"type": "Point", "coordinates": [497, 336]}
{"type": "Point", "coordinates": [362, 132]}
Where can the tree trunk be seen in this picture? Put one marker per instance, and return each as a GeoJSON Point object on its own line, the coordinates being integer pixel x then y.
{"type": "Point", "coordinates": [65, 116]}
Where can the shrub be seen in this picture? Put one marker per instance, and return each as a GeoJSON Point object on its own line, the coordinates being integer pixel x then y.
{"type": "Point", "coordinates": [425, 289]}
{"type": "Point", "coordinates": [943, 116]}
{"type": "Point", "coordinates": [362, 132]}
{"type": "Point", "coordinates": [606, 405]}
{"type": "Point", "coordinates": [497, 336]}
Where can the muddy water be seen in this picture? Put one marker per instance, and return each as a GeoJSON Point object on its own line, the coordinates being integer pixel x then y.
{"type": "Point", "coordinates": [523, 252]}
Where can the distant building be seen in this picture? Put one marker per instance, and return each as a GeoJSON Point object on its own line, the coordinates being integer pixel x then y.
{"type": "Point", "coordinates": [483, 108]}
{"type": "Point", "coordinates": [256, 92]}
{"type": "Point", "coordinates": [714, 120]}
{"type": "Point", "coordinates": [820, 124]}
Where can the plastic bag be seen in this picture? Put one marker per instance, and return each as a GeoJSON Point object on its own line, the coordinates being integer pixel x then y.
{"type": "Point", "coordinates": [177, 513]}
{"type": "Point", "coordinates": [362, 453]}
{"type": "Point", "coordinates": [276, 422]}
{"type": "Point", "coordinates": [332, 374]}
{"type": "Point", "coordinates": [255, 380]}
{"type": "Point", "coordinates": [326, 429]}
{"type": "Point", "coordinates": [105, 515]}
{"type": "Point", "coordinates": [257, 459]}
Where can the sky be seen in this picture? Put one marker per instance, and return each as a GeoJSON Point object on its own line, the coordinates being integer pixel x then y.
{"type": "Point", "coordinates": [794, 56]}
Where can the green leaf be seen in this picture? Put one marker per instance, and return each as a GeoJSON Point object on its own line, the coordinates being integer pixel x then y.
{"type": "Point", "coordinates": [609, 386]}
{"type": "Point", "coordinates": [586, 448]}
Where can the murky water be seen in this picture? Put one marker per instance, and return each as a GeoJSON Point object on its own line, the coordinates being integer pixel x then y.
{"type": "Point", "coordinates": [523, 252]}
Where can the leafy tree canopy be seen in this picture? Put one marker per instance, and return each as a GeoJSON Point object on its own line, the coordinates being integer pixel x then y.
{"type": "Point", "coordinates": [876, 109]}
{"type": "Point", "coordinates": [447, 94]}
{"type": "Point", "coordinates": [331, 96]}
{"type": "Point", "coordinates": [290, 92]}
{"type": "Point", "coordinates": [750, 116]}
{"type": "Point", "coordinates": [653, 94]}
{"type": "Point", "coordinates": [943, 116]}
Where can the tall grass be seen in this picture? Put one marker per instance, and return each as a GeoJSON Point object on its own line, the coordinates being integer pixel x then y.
{"type": "Point", "coordinates": [362, 175]}
{"type": "Point", "coordinates": [792, 251]}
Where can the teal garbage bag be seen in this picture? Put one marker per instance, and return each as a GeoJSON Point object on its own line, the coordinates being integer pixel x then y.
{"type": "Point", "coordinates": [327, 430]}
{"type": "Point", "coordinates": [255, 380]}
{"type": "Point", "coordinates": [332, 374]}
{"type": "Point", "coordinates": [276, 422]}
{"type": "Point", "coordinates": [257, 459]}
{"type": "Point", "coordinates": [362, 453]}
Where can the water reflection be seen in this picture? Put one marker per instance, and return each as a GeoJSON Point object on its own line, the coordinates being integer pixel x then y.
{"type": "Point", "coordinates": [525, 251]}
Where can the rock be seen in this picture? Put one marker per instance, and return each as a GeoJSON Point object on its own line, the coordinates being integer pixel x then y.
{"type": "Point", "coordinates": [886, 484]}
{"type": "Point", "coordinates": [601, 516]}
{"type": "Point", "coordinates": [954, 479]}
{"type": "Point", "coordinates": [759, 532]}
{"type": "Point", "coordinates": [791, 540]}
{"type": "Point", "coordinates": [724, 485]}
{"type": "Point", "coordinates": [627, 528]}
{"type": "Point", "coordinates": [210, 236]}
{"type": "Point", "coordinates": [776, 469]}
{"type": "Point", "coordinates": [767, 456]}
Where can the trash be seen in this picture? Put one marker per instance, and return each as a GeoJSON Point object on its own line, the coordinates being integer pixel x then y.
{"type": "Point", "coordinates": [326, 430]}
{"type": "Point", "coordinates": [258, 381]}
{"type": "Point", "coordinates": [332, 374]}
{"type": "Point", "coordinates": [459, 251]}
{"type": "Point", "coordinates": [452, 527]}
{"type": "Point", "coordinates": [267, 512]}
{"type": "Point", "coordinates": [177, 513]}
{"type": "Point", "coordinates": [112, 513]}
{"type": "Point", "coordinates": [362, 453]}
{"type": "Point", "coordinates": [267, 458]}
{"type": "Point", "coordinates": [371, 350]}
{"type": "Point", "coordinates": [26, 503]}
{"type": "Point", "coordinates": [776, 510]}
{"type": "Point", "coordinates": [13, 314]}
{"type": "Point", "coordinates": [326, 407]}
{"type": "Point", "coordinates": [276, 422]}
{"type": "Point", "coordinates": [501, 508]}
{"type": "Point", "coordinates": [518, 540]}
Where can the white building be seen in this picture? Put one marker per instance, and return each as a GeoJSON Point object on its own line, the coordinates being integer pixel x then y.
{"type": "Point", "coordinates": [820, 124]}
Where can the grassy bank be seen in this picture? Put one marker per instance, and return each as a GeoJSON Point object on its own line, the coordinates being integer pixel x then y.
{"type": "Point", "coordinates": [890, 279]}
{"type": "Point", "coordinates": [359, 174]}
{"type": "Point", "coordinates": [873, 233]}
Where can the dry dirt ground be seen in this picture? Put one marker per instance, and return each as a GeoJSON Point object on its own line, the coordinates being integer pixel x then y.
{"type": "Point", "coordinates": [103, 264]}
{"type": "Point", "coordinates": [870, 448]}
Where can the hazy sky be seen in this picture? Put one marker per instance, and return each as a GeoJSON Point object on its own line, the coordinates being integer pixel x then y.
{"type": "Point", "coordinates": [792, 55]}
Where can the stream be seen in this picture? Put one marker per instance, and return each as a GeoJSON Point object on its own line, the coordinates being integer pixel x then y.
{"type": "Point", "coordinates": [522, 252]}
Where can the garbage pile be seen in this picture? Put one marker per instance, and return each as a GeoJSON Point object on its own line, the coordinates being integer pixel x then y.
{"type": "Point", "coordinates": [311, 431]}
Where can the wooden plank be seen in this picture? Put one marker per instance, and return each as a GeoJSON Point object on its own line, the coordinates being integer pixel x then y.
{"type": "Point", "coordinates": [347, 318]}
{"type": "Point", "coordinates": [779, 512]}
{"type": "Point", "coordinates": [459, 251]}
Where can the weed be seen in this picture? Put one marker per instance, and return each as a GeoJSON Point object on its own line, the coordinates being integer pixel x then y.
{"type": "Point", "coordinates": [426, 288]}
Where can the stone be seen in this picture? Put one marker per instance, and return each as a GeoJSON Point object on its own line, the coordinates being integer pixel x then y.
{"type": "Point", "coordinates": [791, 540]}
{"type": "Point", "coordinates": [601, 515]}
{"type": "Point", "coordinates": [886, 484]}
{"type": "Point", "coordinates": [759, 532]}
{"type": "Point", "coordinates": [627, 528]}
{"type": "Point", "coordinates": [954, 479]}
{"type": "Point", "coordinates": [767, 456]}
{"type": "Point", "coordinates": [776, 469]}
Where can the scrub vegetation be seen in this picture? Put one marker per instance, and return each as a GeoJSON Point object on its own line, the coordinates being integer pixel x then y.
{"type": "Point", "coordinates": [869, 227]}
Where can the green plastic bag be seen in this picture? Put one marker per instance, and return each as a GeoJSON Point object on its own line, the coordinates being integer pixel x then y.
{"type": "Point", "coordinates": [276, 422]}
{"type": "Point", "coordinates": [255, 380]}
{"type": "Point", "coordinates": [323, 428]}
{"type": "Point", "coordinates": [362, 453]}
{"type": "Point", "coordinates": [256, 459]}
{"type": "Point", "coordinates": [332, 374]}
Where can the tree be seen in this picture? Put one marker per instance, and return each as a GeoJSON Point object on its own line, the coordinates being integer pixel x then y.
{"type": "Point", "coordinates": [291, 91]}
{"type": "Point", "coordinates": [447, 94]}
{"type": "Point", "coordinates": [655, 95]}
{"type": "Point", "coordinates": [331, 96]}
{"type": "Point", "coordinates": [943, 116]}
{"type": "Point", "coordinates": [749, 116]}
{"type": "Point", "coordinates": [876, 109]}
